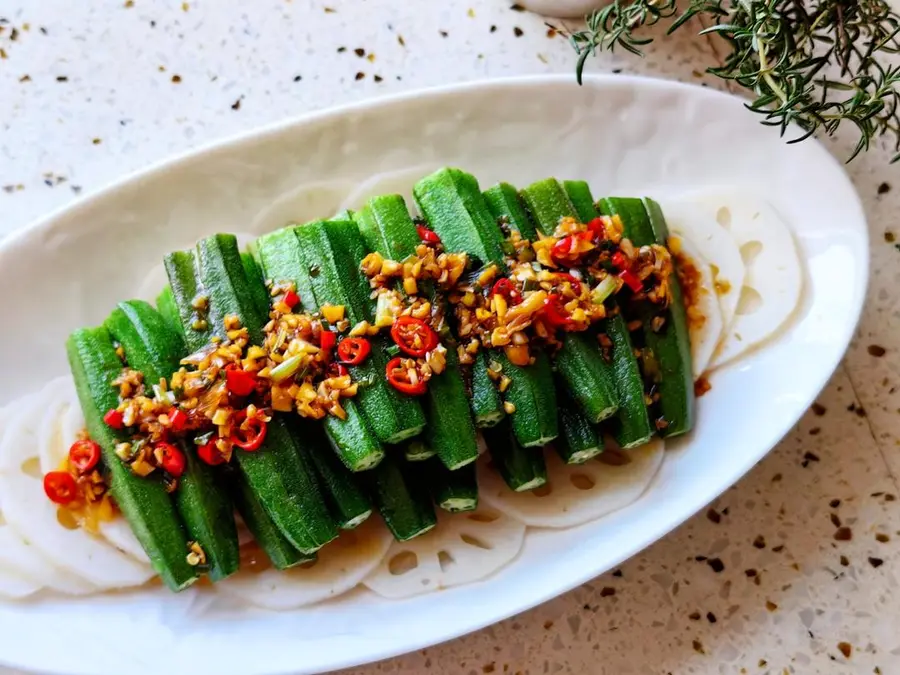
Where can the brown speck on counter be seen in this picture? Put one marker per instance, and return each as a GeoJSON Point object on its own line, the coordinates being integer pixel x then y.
{"type": "Point", "coordinates": [330, 10]}
{"type": "Point", "coordinates": [876, 350]}
{"type": "Point", "coordinates": [96, 141]}
{"type": "Point", "coordinates": [370, 58]}
{"type": "Point", "coordinates": [617, 573]}
{"type": "Point", "coordinates": [818, 409]}
{"type": "Point", "coordinates": [517, 7]}
{"type": "Point", "coordinates": [298, 78]}
{"type": "Point", "coordinates": [694, 616]}
{"type": "Point", "coordinates": [889, 237]}
{"type": "Point", "coordinates": [698, 646]}
{"type": "Point", "coordinates": [762, 663]}
{"type": "Point", "coordinates": [378, 78]}
{"type": "Point", "coordinates": [845, 648]}
{"type": "Point", "coordinates": [607, 591]}
{"type": "Point", "coordinates": [401, 41]}
{"type": "Point", "coordinates": [889, 497]}
{"type": "Point", "coordinates": [25, 78]}
{"type": "Point", "coordinates": [237, 104]}
{"type": "Point", "coordinates": [845, 561]}
{"type": "Point", "coordinates": [548, 624]}
{"type": "Point", "coordinates": [176, 79]}
{"type": "Point", "coordinates": [444, 33]}
{"type": "Point", "coordinates": [815, 431]}
{"type": "Point", "coordinates": [518, 32]}
{"type": "Point", "coordinates": [3, 54]}
{"type": "Point", "coordinates": [759, 542]}
{"type": "Point", "coordinates": [360, 75]}
{"type": "Point", "coordinates": [778, 549]}
{"type": "Point", "coordinates": [716, 564]}
{"type": "Point", "coordinates": [551, 31]}
{"type": "Point", "coordinates": [876, 562]}
{"type": "Point", "coordinates": [360, 52]}
{"type": "Point", "coordinates": [834, 503]}
{"type": "Point", "coordinates": [835, 520]}
{"type": "Point", "coordinates": [493, 29]}
{"type": "Point", "coordinates": [488, 667]}
{"type": "Point", "coordinates": [809, 457]}
{"type": "Point", "coordinates": [185, 6]}
{"type": "Point", "coordinates": [341, 50]}
{"type": "Point", "coordinates": [843, 534]}
{"type": "Point", "coordinates": [62, 78]}
{"type": "Point", "coordinates": [776, 478]}
{"type": "Point", "coordinates": [771, 606]}
{"type": "Point", "coordinates": [129, 4]}
{"type": "Point", "coordinates": [713, 515]}
{"type": "Point", "coordinates": [884, 188]}
{"type": "Point", "coordinates": [711, 617]}
{"type": "Point", "coordinates": [882, 538]}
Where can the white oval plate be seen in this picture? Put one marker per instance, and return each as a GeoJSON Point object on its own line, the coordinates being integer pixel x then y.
{"type": "Point", "coordinates": [624, 135]}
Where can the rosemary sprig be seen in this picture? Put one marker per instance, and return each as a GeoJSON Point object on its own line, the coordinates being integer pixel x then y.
{"type": "Point", "coordinates": [816, 64]}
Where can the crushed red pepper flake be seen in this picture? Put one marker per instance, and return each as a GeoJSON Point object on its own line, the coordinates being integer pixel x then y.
{"type": "Point", "coordinates": [845, 648]}
{"type": "Point", "coordinates": [876, 350]}
{"type": "Point", "coordinates": [771, 606]}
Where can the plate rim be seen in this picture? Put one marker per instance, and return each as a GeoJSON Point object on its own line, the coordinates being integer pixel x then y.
{"type": "Point", "coordinates": [662, 526]}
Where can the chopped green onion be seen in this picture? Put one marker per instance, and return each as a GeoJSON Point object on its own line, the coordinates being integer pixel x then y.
{"type": "Point", "coordinates": [392, 350]}
{"type": "Point", "coordinates": [203, 439]}
{"type": "Point", "coordinates": [286, 368]}
{"type": "Point", "coordinates": [603, 290]}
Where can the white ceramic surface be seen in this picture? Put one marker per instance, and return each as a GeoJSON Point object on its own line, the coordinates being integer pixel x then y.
{"type": "Point", "coordinates": [623, 135]}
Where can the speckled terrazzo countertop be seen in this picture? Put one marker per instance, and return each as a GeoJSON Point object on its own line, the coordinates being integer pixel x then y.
{"type": "Point", "coordinates": [793, 570]}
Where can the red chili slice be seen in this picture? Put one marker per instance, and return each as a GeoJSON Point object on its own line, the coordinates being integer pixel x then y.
{"type": "Point", "coordinates": [620, 261]}
{"type": "Point", "coordinates": [60, 487]}
{"type": "Point", "coordinates": [428, 236]}
{"type": "Point", "coordinates": [239, 382]}
{"type": "Point", "coordinates": [171, 460]}
{"type": "Point", "coordinates": [114, 419]}
{"type": "Point", "coordinates": [555, 313]}
{"type": "Point", "coordinates": [631, 280]}
{"type": "Point", "coordinates": [398, 376]}
{"type": "Point", "coordinates": [506, 288]}
{"type": "Point", "coordinates": [353, 351]}
{"type": "Point", "coordinates": [291, 299]}
{"type": "Point", "coordinates": [574, 281]}
{"type": "Point", "coordinates": [251, 438]}
{"type": "Point", "coordinates": [327, 340]}
{"type": "Point", "coordinates": [84, 455]}
{"type": "Point", "coordinates": [596, 228]}
{"type": "Point", "coordinates": [178, 420]}
{"type": "Point", "coordinates": [337, 370]}
{"type": "Point", "coordinates": [209, 453]}
{"type": "Point", "coordinates": [413, 336]}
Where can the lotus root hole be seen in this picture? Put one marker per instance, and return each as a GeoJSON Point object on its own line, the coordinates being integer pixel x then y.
{"type": "Point", "coordinates": [67, 519]}
{"type": "Point", "coordinates": [749, 302]}
{"type": "Point", "coordinates": [483, 517]}
{"type": "Point", "coordinates": [614, 458]}
{"type": "Point", "coordinates": [475, 541]}
{"type": "Point", "coordinates": [445, 560]}
{"type": "Point", "coordinates": [32, 467]}
{"type": "Point", "coordinates": [402, 563]}
{"type": "Point", "coordinates": [749, 251]}
{"type": "Point", "coordinates": [582, 481]}
{"type": "Point", "coordinates": [543, 491]}
{"type": "Point", "coordinates": [723, 217]}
